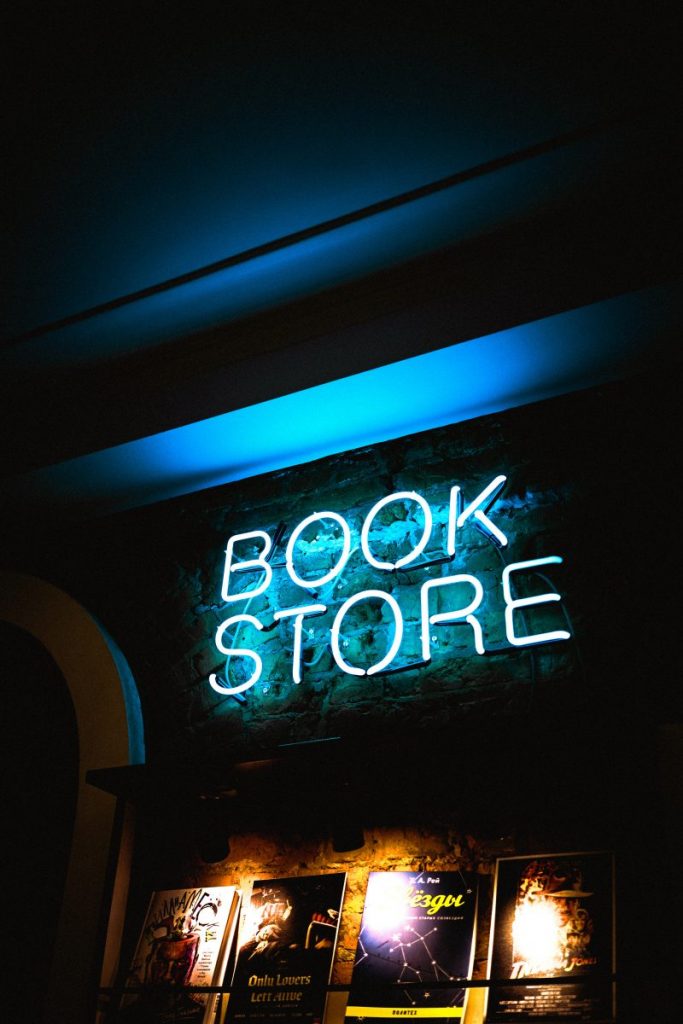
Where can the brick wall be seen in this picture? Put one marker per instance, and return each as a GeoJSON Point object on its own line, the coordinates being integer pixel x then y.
{"type": "Point", "coordinates": [535, 750]}
{"type": "Point", "coordinates": [158, 574]}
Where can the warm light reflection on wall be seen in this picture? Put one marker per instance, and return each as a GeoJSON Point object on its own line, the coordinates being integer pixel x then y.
{"type": "Point", "coordinates": [536, 938]}
{"type": "Point", "coordinates": [386, 906]}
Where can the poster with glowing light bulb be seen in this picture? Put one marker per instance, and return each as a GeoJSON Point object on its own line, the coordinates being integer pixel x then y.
{"type": "Point", "coordinates": [416, 942]}
{"type": "Point", "coordinates": [553, 918]}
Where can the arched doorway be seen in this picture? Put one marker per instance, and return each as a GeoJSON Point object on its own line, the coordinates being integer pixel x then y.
{"type": "Point", "coordinates": [40, 769]}
{"type": "Point", "coordinates": [48, 628]}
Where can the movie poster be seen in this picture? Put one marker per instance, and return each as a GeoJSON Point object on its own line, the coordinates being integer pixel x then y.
{"type": "Point", "coordinates": [416, 936]}
{"type": "Point", "coordinates": [286, 947]}
{"type": "Point", "coordinates": [185, 944]}
{"type": "Point", "coordinates": [553, 917]}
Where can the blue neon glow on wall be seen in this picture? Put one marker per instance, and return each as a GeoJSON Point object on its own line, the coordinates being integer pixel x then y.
{"type": "Point", "coordinates": [417, 526]}
{"type": "Point", "coordinates": [548, 357]}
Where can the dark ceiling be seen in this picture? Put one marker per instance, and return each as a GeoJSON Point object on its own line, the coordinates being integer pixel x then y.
{"type": "Point", "coordinates": [150, 148]}
{"type": "Point", "coordinates": [145, 140]}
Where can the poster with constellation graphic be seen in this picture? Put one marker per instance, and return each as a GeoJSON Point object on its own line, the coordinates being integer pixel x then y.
{"type": "Point", "coordinates": [416, 936]}
{"type": "Point", "coordinates": [286, 947]}
{"type": "Point", "coordinates": [553, 918]}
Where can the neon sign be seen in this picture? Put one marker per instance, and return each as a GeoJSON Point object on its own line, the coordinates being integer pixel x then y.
{"type": "Point", "coordinates": [392, 542]}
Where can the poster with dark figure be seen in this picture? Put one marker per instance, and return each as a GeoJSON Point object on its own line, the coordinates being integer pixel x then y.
{"type": "Point", "coordinates": [416, 936]}
{"type": "Point", "coordinates": [286, 947]}
{"type": "Point", "coordinates": [553, 917]}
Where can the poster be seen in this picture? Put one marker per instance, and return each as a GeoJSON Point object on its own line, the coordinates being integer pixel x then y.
{"type": "Point", "coordinates": [185, 942]}
{"type": "Point", "coordinates": [286, 948]}
{"type": "Point", "coordinates": [416, 935]}
{"type": "Point", "coordinates": [553, 917]}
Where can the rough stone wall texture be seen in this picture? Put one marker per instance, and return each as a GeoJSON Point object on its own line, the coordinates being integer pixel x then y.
{"type": "Point", "coordinates": [581, 483]}
{"type": "Point", "coordinates": [256, 856]}
{"type": "Point", "coordinates": [538, 750]}
{"type": "Point", "coordinates": [264, 855]}
{"type": "Point", "coordinates": [158, 574]}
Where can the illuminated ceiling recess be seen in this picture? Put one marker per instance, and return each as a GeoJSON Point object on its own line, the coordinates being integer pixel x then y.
{"type": "Point", "coordinates": [579, 348]}
{"type": "Point", "coordinates": [147, 243]}
{"type": "Point", "coordinates": [444, 377]}
{"type": "Point", "coordinates": [354, 243]}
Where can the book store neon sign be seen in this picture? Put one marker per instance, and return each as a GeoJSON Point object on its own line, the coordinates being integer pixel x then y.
{"type": "Point", "coordinates": [466, 610]}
